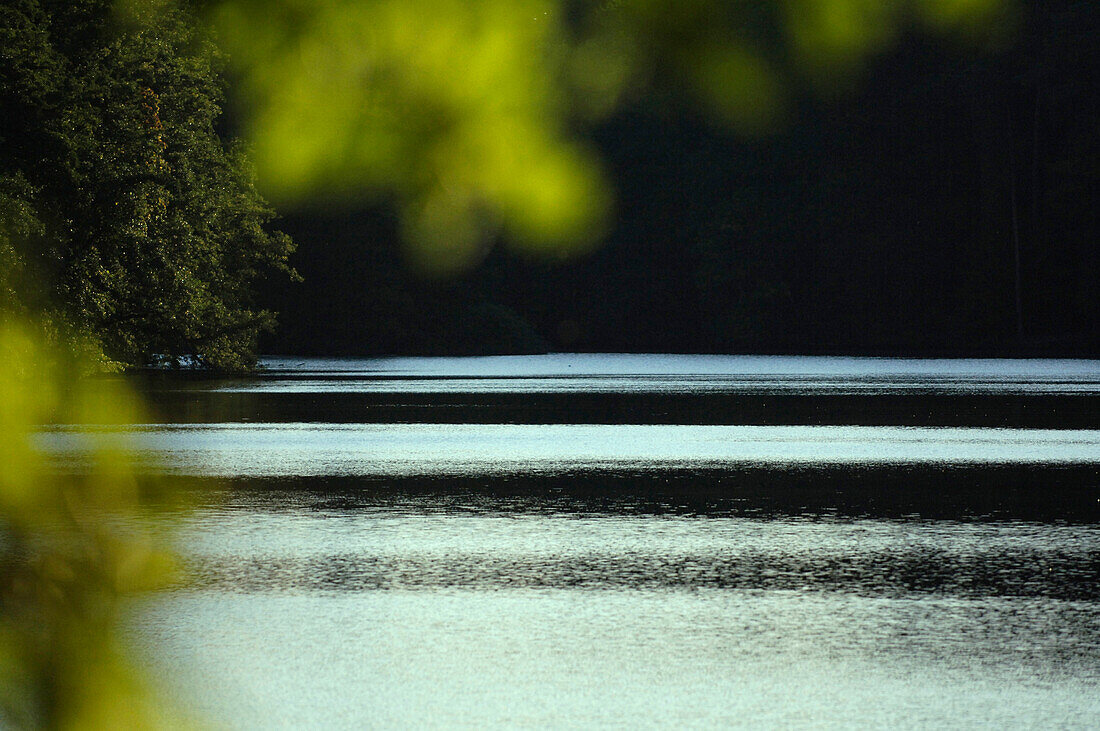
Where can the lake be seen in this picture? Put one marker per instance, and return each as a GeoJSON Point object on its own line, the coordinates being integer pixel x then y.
{"type": "Point", "coordinates": [631, 541]}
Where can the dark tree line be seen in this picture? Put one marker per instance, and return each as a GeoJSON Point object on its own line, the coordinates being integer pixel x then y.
{"type": "Point", "coordinates": [948, 207]}
{"type": "Point", "coordinates": [124, 217]}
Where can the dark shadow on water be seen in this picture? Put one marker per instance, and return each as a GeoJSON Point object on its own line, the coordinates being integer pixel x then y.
{"type": "Point", "coordinates": [1046, 411]}
{"type": "Point", "coordinates": [967, 534]}
{"type": "Point", "coordinates": [1068, 575]}
{"type": "Point", "coordinates": [1068, 494]}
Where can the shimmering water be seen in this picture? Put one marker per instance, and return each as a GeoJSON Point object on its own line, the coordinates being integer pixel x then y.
{"type": "Point", "coordinates": [231, 450]}
{"type": "Point", "coordinates": [321, 609]}
{"type": "Point", "coordinates": [598, 572]}
{"type": "Point", "coordinates": [640, 373]}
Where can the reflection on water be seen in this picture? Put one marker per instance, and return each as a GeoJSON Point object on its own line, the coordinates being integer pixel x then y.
{"type": "Point", "coordinates": [383, 608]}
{"type": "Point", "coordinates": [422, 449]}
{"type": "Point", "coordinates": [640, 373]}
{"type": "Point", "coordinates": [576, 659]}
{"type": "Point", "coordinates": [515, 542]}
{"type": "Point", "coordinates": [647, 389]}
{"type": "Point", "coordinates": [286, 541]}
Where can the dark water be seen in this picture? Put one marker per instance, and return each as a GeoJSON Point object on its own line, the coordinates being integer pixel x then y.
{"type": "Point", "coordinates": [483, 569]}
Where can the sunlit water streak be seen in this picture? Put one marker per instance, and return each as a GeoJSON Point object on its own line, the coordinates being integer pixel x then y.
{"type": "Point", "coordinates": [637, 373]}
{"type": "Point", "coordinates": [420, 449]}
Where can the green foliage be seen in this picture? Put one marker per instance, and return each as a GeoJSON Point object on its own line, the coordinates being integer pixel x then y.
{"type": "Point", "coordinates": [471, 112]}
{"type": "Point", "coordinates": [117, 195]}
{"type": "Point", "coordinates": [74, 544]}
{"type": "Point", "coordinates": [17, 223]}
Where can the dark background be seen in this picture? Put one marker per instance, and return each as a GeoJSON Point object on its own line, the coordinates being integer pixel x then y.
{"type": "Point", "coordinates": [948, 207]}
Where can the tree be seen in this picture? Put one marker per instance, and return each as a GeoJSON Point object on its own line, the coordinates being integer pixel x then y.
{"type": "Point", "coordinates": [117, 195]}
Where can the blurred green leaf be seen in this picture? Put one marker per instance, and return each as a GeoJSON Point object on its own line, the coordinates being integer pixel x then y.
{"type": "Point", "coordinates": [471, 112]}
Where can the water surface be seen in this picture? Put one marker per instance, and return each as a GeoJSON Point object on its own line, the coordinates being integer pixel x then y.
{"type": "Point", "coordinates": [632, 541]}
{"type": "Point", "coordinates": [385, 609]}
{"type": "Point", "coordinates": [620, 372]}
{"type": "Point", "coordinates": [232, 450]}
{"type": "Point", "coordinates": [648, 389]}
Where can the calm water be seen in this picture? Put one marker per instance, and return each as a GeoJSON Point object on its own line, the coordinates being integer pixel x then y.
{"type": "Point", "coordinates": [597, 571]}
{"type": "Point", "coordinates": [231, 450]}
{"type": "Point", "coordinates": [596, 373]}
